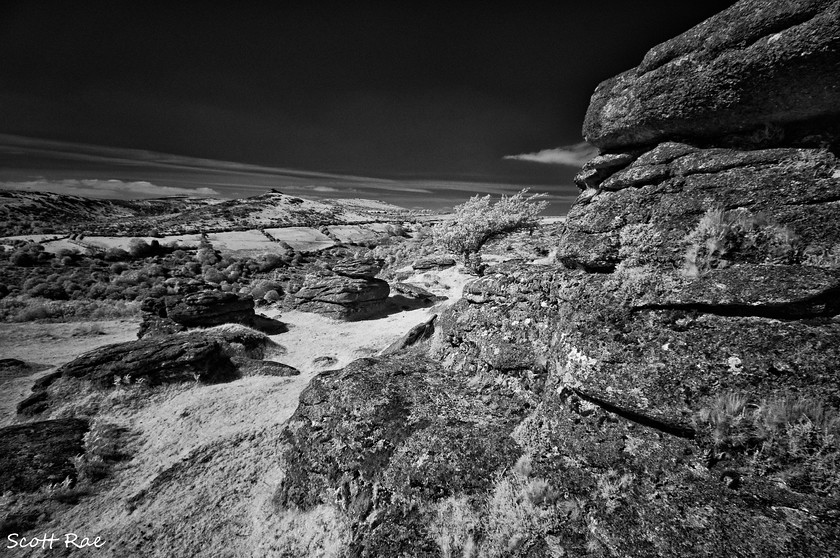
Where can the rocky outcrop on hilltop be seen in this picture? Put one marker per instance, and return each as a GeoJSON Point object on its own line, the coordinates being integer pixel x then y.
{"type": "Point", "coordinates": [347, 290]}
{"type": "Point", "coordinates": [757, 73]}
{"type": "Point", "coordinates": [668, 386]}
{"type": "Point", "coordinates": [207, 308]}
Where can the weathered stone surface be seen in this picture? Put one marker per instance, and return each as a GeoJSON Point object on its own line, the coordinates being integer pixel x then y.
{"type": "Point", "coordinates": [433, 262]}
{"type": "Point", "coordinates": [764, 70]}
{"type": "Point", "coordinates": [797, 189]}
{"type": "Point", "coordinates": [159, 360]}
{"type": "Point", "coordinates": [175, 313]}
{"type": "Point", "coordinates": [418, 333]}
{"type": "Point", "coordinates": [357, 268]}
{"type": "Point", "coordinates": [625, 381]}
{"type": "Point", "coordinates": [340, 296]}
{"type": "Point", "coordinates": [414, 292]}
{"type": "Point", "coordinates": [39, 453]}
{"type": "Point", "coordinates": [382, 438]}
{"type": "Point", "coordinates": [210, 308]}
{"type": "Point", "coordinates": [255, 367]}
{"type": "Point", "coordinates": [672, 382]}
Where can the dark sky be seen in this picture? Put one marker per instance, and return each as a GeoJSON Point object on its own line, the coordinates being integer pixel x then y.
{"type": "Point", "coordinates": [400, 90]}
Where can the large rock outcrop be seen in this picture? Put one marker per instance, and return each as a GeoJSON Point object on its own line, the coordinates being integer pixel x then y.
{"type": "Point", "coordinates": [382, 437]}
{"type": "Point", "coordinates": [670, 383]}
{"type": "Point", "coordinates": [758, 72]}
{"type": "Point", "coordinates": [174, 313]}
{"type": "Point", "coordinates": [346, 291]}
{"type": "Point", "coordinates": [153, 360]}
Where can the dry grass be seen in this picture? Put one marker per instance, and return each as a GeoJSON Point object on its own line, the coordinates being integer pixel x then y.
{"type": "Point", "coordinates": [791, 439]}
{"type": "Point", "coordinates": [518, 512]}
{"type": "Point", "coordinates": [722, 236]}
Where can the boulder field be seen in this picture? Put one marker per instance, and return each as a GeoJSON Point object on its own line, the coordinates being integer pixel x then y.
{"type": "Point", "coordinates": [669, 385]}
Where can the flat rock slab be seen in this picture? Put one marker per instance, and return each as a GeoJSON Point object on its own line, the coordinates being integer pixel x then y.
{"type": "Point", "coordinates": [39, 453]}
{"type": "Point", "coordinates": [782, 292]}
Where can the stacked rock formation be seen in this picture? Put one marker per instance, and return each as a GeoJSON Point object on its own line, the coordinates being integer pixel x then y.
{"type": "Point", "coordinates": [174, 313]}
{"type": "Point", "coordinates": [347, 290]}
{"type": "Point", "coordinates": [669, 387]}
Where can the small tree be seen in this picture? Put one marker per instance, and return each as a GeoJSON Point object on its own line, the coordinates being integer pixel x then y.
{"type": "Point", "coordinates": [477, 221]}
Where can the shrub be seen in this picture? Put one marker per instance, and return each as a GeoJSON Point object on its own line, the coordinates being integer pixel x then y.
{"type": "Point", "coordinates": [22, 258]}
{"type": "Point", "coordinates": [518, 511]}
{"type": "Point", "coordinates": [25, 309]}
{"type": "Point", "coordinates": [477, 221]}
{"type": "Point", "coordinates": [791, 438]}
{"type": "Point", "coordinates": [259, 289]}
{"type": "Point", "coordinates": [271, 296]}
{"type": "Point", "coordinates": [139, 248]}
{"type": "Point", "coordinates": [206, 255]}
{"type": "Point", "coordinates": [723, 235]}
{"type": "Point", "coordinates": [213, 275]}
{"type": "Point", "coordinates": [116, 255]}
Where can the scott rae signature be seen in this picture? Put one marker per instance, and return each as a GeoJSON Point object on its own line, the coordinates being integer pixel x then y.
{"type": "Point", "coordinates": [65, 540]}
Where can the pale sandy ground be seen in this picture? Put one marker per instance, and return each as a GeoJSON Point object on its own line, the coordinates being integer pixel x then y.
{"type": "Point", "coordinates": [311, 335]}
{"type": "Point", "coordinates": [206, 459]}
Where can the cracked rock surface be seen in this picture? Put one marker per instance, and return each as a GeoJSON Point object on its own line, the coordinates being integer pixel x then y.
{"type": "Point", "coordinates": [669, 385]}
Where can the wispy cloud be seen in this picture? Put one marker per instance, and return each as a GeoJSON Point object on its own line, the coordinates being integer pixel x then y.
{"type": "Point", "coordinates": [114, 189]}
{"type": "Point", "coordinates": [570, 155]}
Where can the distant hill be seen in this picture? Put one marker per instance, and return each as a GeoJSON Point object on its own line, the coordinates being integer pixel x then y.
{"type": "Point", "coordinates": [41, 212]}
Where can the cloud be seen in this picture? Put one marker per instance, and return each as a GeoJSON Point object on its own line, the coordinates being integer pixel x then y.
{"type": "Point", "coordinates": [115, 189]}
{"type": "Point", "coordinates": [570, 155]}
{"type": "Point", "coordinates": [325, 189]}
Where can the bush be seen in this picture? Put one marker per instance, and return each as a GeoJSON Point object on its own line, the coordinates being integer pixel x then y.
{"type": "Point", "coordinates": [794, 439]}
{"type": "Point", "coordinates": [477, 221]}
{"type": "Point", "coordinates": [723, 236]}
{"type": "Point", "coordinates": [116, 255]}
{"type": "Point", "coordinates": [271, 296]}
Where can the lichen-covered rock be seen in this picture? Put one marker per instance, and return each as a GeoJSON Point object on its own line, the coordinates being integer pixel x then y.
{"type": "Point", "coordinates": [780, 204]}
{"type": "Point", "coordinates": [39, 453]}
{"type": "Point", "coordinates": [384, 438]}
{"type": "Point", "coordinates": [414, 292]}
{"type": "Point", "coordinates": [623, 383]}
{"type": "Point", "coordinates": [761, 71]}
{"type": "Point", "coordinates": [669, 387]}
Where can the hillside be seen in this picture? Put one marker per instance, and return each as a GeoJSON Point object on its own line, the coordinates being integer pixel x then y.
{"type": "Point", "coordinates": [39, 213]}
{"type": "Point", "coordinates": [654, 376]}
